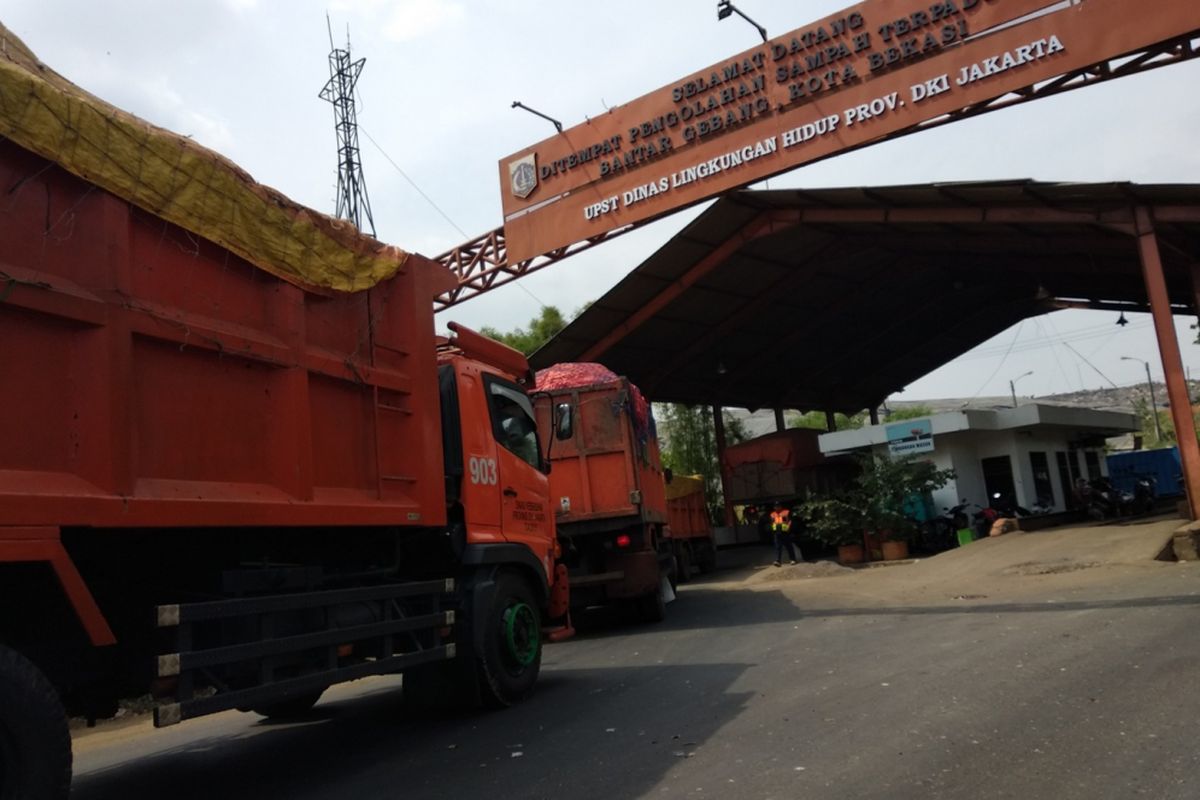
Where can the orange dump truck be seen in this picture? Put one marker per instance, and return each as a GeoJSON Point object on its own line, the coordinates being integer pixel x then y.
{"type": "Point", "coordinates": [606, 486]}
{"type": "Point", "coordinates": [691, 531]}
{"type": "Point", "coordinates": [236, 464]}
{"type": "Point", "coordinates": [783, 466]}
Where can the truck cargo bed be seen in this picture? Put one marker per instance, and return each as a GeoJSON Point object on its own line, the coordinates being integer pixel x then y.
{"type": "Point", "coordinates": [152, 378]}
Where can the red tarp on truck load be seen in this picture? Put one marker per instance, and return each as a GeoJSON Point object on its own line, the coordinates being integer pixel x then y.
{"type": "Point", "coordinates": [791, 449]}
{"type": "Point", "coordinates": [782, 465]}
{"type": "Point", "coordinates": [575, 375]}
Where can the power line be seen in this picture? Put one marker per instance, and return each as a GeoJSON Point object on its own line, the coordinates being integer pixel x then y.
{"type": "Point", "coordinates": [1090, 364]}
{"type": "Point", "coordinates": [1062, 373]}
{"type": "Point", "coordinates": [435, 206]}
{"type": "Point", "coordinates": [413, 183]}
{"type": "Point", "coordinates": [1078, 372]}
{"type": "Point", "coordinates": [1082, 334]}
{"type": "Point", "coordinates": [998, 366]}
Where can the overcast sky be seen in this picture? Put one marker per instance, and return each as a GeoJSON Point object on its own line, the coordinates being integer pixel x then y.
{"type": "Point", "coordinates": [242, 77]}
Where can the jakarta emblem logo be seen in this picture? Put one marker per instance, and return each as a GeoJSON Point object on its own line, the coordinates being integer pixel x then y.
{"type": "Point", "coordinates": [522, 175]}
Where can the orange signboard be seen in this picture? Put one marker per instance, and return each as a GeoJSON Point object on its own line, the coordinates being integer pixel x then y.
{"type": "Point", "coordinates": [858, 77]}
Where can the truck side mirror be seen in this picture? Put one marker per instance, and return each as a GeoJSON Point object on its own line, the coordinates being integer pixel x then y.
{"type": "Point", "coordinates": [564, 421]}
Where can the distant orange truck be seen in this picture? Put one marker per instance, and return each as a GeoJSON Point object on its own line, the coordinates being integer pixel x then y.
{"type": "Point", "coordinates": [690, 526]}
{"type": "Point", "coordinates": [607, 489]}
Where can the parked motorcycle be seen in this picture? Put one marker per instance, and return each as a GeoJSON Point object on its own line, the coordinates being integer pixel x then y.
{"type": "Point", "coordinates": [983, 519]}
{"type": "Point", "coordinates": [1101, 500]}
{"type": "Point", "coordinates": [941, 532]}
{"type": "Point", "coordinates": [1007, 506]}
{"type": "Point", "coordinates": [1042, 506]}
{"type": "Point", "coordinates": [957, 515]}
{"type": "Point", "coordinates": [1145, 494]}
{"type": "Point", "coordinates": [1001, 507]}
{"type": "Point", "coordinates": [1123, 500]}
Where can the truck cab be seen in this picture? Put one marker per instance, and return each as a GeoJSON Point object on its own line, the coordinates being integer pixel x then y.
{"type": "Point", "coordinates": [497, 472]}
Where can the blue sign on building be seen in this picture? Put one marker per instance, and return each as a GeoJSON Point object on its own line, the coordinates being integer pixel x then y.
{"type": "Point", "coordinates": [910, 436]}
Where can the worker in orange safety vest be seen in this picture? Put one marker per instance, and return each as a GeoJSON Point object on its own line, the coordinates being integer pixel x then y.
{"type": "Point", "coordinates": [781, 532]}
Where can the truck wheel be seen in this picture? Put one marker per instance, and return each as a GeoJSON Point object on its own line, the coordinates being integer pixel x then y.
{"type": "Point", "coordinates": [35, 745]}
{"type": "Point", "coordinates": [291, 708]}
{"type": "Point", "coordinates": [708, 559]}
{"type": "Point", "coordinates": [683, 559]}
{"type": "Point", "coordinates": [651, 607]}
{"type": "Point", "coordinates": [512, 643]}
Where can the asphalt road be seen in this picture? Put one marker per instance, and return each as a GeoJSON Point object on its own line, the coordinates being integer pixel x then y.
{"type": "Point", "coordinates": [884, 684]}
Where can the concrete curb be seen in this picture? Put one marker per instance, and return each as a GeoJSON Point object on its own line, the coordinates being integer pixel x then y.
{"type": "Point", "coordinates": [1186, 542]}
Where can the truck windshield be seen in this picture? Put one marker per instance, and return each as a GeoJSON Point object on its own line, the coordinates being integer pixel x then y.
{"type": "Point", "coordinates": [512, 415]}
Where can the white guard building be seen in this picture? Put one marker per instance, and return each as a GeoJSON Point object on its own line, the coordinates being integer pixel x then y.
{"type": "Point", "coordinates": [1033, 452]}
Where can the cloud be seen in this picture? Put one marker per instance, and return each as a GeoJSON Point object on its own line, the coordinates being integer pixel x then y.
{"type": "Point", "coordinates": [175, 114]}
{"type": "Point", "coordinates": [405, 20]}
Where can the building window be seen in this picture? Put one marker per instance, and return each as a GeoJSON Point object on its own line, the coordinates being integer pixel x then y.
{"type": "Point", "coordinates": [1092, 458]}
{"type": "Point", "coordinates": [1042, 485]}
{"type": "Point", "coordinates": [1066, 476]}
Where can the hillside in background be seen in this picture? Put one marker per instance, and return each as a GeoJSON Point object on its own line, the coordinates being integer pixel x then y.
{"type": "Point", "coordinates": [1122, 398]}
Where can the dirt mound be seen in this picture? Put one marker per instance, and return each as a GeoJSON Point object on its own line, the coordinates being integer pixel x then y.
{"type": "Point", "coordinates": [1056, 567]}
{"type": "Point", "coordinates": [794, 572]}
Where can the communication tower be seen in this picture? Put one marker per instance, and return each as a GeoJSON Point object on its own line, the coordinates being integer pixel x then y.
{"type": "Point", "coordinates": [352, 201]}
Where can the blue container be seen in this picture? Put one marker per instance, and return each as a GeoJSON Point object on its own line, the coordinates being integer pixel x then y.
{"type": "Point", "coordinates": [1162, 465]}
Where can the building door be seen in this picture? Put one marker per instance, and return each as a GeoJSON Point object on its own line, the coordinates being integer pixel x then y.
{"type": "Point", "coordinates": [1066, 477]}
{"type": "Point", "coordinates": [998, 479]}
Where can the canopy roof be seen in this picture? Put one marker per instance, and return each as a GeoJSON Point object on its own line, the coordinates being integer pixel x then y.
{"type": "Point", "coordinates": [833, 299]}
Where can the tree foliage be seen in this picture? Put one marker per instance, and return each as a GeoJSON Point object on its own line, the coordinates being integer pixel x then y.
{"type": "Point", "coordinates": [815, 420]}
{"type": "Point", "coordinates": [1150, 439]}
{"type": "Point", "coordinates": [540, 330]}
{"type": "Point", "coordinates": [876, 500]}
{"type": "Point", "coordinates": [689, 443]}
{"type": "Point", "coordinates": [885, 486]}
{"type": "Point", "coordinates": [909, 412]}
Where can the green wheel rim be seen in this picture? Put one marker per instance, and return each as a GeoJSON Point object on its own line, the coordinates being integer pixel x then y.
{"type": "Point", "coordinates": [521, 634]}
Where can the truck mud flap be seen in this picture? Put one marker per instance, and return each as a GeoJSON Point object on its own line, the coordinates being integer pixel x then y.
{"type": "Point", "coordinates": [412, 629]}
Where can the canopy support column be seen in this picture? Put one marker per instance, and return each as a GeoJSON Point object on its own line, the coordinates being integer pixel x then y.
{"type": "Point", "coordinates": [830, 421]}
{"type": "Point", "coordinates": [780, 425]}
{"type": "Point", "coordinates": [1172, 361]}
{"type": "Point", "coordinates": [719, 427]}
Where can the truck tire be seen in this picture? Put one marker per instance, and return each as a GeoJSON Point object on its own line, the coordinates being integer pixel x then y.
{"type": "Point", "coordinates": [708, 559]}
{"type": "Point", "coordinates": [512, 643]}
{"type": "Point", "coordinates": [35, 744]}
{"type": "Point", "coordinates": [651, 607]}
{"type": "Point", "coordinates": [683, 558]}
{"type": "Point", "coordinates": [291, 708]}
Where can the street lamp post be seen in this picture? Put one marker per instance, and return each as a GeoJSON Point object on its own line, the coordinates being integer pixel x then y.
{"type": "Point", "coordinates": [1153, 406]}
{"type": "Point", "coordinates": [1012, 386]}
{"type": "Point", "coordinates": [726, 8]}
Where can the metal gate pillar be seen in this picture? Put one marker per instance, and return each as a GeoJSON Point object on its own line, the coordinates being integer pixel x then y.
{"type": "Point", "coordinates": [1172, 360]}
{"type": "Point", "coordinates": [719, 426]}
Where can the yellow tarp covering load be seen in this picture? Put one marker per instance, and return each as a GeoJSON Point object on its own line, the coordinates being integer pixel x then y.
{"type": "Point", "coordinates": [683, 485]}
{"type": "Point", "coordinates": [176, 179]}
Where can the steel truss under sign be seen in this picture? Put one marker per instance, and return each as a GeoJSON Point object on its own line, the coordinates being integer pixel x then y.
{"type": "Point", "coordinates": [1003, 53]}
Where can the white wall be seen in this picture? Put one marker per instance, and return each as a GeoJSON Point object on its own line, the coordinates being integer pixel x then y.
{"type": "Point", "coordinates": [964, 451]}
